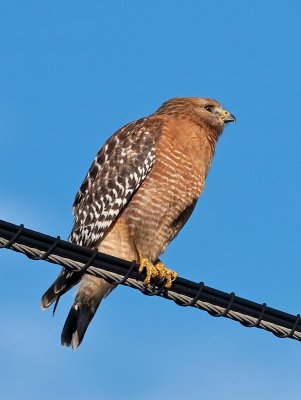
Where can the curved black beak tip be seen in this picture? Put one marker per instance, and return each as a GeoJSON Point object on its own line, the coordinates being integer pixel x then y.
{"type": "Point", "coordinates": [230, 118]}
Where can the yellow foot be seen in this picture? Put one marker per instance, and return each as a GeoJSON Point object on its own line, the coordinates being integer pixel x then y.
{"type": "Point", "coordinates": [157, 270]}
{"type": "Point", "coordinates": [166, 273]}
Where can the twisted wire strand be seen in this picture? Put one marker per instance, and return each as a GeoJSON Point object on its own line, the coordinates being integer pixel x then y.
{"type": "Point", "coordinates": [180, 299]}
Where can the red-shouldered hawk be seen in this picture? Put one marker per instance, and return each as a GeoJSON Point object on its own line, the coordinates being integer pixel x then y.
{"type": "Point", "coordinates": [139, 192]}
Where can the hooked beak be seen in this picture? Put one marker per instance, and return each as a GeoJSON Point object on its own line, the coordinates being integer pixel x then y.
{"type": "Point", "coordinates": [227, 117]}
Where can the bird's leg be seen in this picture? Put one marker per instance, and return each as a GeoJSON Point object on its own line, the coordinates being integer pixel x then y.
{"type": "Point", "coordinates": [165, 273]}
{"type": "Point", "coordinates": [151, 272]}
{"type": "Point", "coordinates": [157, 270]}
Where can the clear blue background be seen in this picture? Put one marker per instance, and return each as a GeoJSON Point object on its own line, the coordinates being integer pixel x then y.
{"type": "Point", "coordinates": [73, 72]}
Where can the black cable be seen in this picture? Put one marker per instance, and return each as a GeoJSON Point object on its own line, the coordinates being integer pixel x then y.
{"type": "Point", "coordinates": [183, 291]}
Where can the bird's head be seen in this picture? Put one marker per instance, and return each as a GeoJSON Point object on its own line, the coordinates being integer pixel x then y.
{"type": "Point", "coordinates": [203, 111]}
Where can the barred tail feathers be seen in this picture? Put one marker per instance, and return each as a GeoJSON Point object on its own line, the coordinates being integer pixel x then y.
{"type": "Point", "coordinates": [90, 294]}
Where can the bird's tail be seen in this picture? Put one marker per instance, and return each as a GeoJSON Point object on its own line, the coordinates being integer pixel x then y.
{"type": "Point", "coordinates": [91, 291]}
{"type": "Point", "coordinates": [65, 281]}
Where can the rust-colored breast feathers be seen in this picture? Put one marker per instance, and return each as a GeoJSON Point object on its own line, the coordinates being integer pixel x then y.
{"type": "Point", "coordinates": [166, 198]}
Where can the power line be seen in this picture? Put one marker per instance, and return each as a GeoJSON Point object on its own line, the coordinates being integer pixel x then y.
{"type": "Point", "coordinates": [183, 292]}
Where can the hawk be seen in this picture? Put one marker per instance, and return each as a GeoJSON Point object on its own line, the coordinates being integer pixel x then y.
{"type": "Point", "coordinates": [140, 190]}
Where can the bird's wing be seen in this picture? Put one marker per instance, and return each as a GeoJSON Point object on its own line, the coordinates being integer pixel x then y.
{"type": "Point", "coordinates": [116, 173]}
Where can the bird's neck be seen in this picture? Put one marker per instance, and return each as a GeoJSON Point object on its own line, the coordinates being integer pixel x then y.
{"type": "Point", "coordinates": [197, 140]}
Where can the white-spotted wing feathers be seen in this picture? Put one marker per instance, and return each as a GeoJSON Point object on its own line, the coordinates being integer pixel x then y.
{"type": "Point", "coordinates": [116, 173]}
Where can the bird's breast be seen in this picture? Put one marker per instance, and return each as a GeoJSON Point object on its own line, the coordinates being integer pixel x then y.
{"type": "Point", "coordinates": [158, 209]}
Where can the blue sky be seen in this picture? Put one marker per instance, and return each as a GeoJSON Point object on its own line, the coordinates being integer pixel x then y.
{"type": "Point", "coordinates": [73, 72]}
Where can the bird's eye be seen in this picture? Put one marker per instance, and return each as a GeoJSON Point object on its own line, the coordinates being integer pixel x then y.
{"type": "Point", "coordinates": [209, 107]}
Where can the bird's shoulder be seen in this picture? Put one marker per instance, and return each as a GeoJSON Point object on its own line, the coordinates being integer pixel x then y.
{"type": "Point", "coordinates": [129, 138]}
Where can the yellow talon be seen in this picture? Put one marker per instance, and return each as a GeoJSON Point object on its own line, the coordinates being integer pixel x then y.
{"type": "Point", "coordinates": [146, 265]}
{"type": "Point", "coordinates": [156, 270]}
{"type": "Point", "coordinates": [165, 273]}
